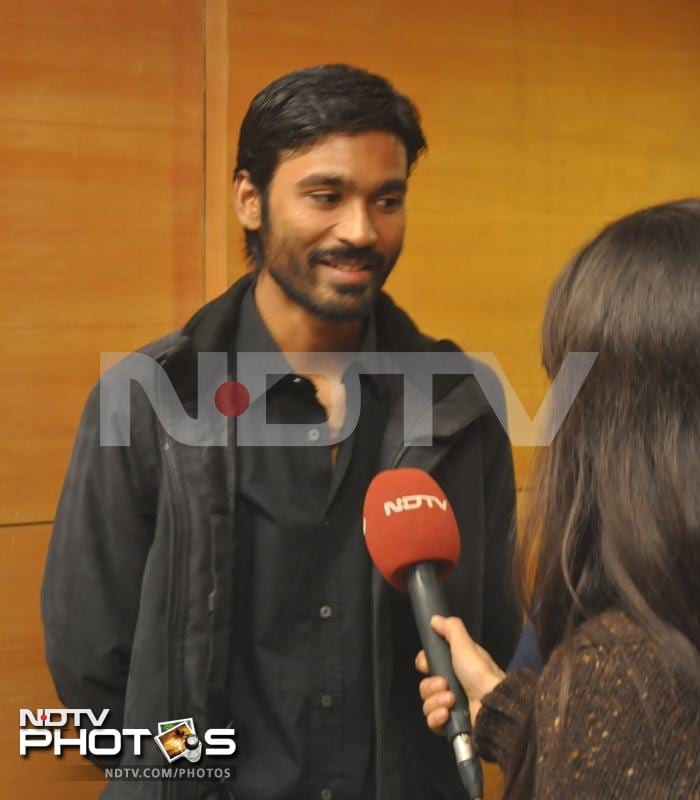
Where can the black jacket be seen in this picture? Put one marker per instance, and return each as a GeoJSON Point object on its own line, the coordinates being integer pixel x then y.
{"type": "Point", "coordinates": [138, 593]}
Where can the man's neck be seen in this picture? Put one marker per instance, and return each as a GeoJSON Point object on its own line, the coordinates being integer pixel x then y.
{"type": "Point", "coordinates": [296, 330]}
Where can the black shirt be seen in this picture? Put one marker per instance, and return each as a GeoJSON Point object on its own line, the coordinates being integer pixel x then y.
{"type": "Point", "coordinates": [301, 673]}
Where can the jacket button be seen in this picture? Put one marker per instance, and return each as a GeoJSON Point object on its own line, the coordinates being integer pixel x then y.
{"type": "Point", "coordinates": [326, 794]}
{"type": "Point", "coordinates": [326, 700]}
{"type": "Point", "coordinates": [325, 612]}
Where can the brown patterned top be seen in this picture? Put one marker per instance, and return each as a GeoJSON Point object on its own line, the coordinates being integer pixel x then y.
{"type": "Point", "coordinates": [626, 732]}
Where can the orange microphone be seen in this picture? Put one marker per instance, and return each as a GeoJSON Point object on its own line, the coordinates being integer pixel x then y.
{"type": "Point", "coordinates": [412, 536]}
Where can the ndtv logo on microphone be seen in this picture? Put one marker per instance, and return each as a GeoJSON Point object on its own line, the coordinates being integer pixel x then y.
{"type": "Point", "coordinates": [410, 502]}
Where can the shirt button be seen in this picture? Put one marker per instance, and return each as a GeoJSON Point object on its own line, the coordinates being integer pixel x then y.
{"type": "Point", "coordinates": [313, 435]}
{"type": "Point", "coordinates": [326, 794]}
{"type": "Point", "coordinates": [326, 700]}
{"type": "Point", "coordinates": [325, 612]}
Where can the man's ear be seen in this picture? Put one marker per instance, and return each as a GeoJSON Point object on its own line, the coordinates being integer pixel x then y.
{"type": "Point", "coordinates": [247, 201]}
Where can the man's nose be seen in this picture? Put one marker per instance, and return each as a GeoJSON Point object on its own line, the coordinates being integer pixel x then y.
{"type": "Point", "coordinates": [355, 227]}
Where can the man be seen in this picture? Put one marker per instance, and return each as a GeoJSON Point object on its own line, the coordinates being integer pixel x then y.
{"type": "Point", "coordinates": [231, 584]}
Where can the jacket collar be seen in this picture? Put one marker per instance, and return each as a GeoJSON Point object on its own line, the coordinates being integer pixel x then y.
{"type": "Point", "coordinates": [213, 327]}
{"type": "Point", "coordinates": [458, 396]}
{"type": "Point", "coordinates": [209, 330]}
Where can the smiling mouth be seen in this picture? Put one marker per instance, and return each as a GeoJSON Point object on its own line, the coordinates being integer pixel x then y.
{"type": "Point", "coordinates": [345, 266]}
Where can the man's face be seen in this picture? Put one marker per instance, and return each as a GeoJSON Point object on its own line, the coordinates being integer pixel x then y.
{"type": "Point", "coordinates": [335, 222]}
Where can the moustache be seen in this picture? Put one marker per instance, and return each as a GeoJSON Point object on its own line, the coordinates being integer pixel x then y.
{"type": "Point", "coordinates": [364, 256]}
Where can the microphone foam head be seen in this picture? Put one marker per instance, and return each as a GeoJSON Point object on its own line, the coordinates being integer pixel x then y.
{"type": "Point", "coordinates": [407, 520]}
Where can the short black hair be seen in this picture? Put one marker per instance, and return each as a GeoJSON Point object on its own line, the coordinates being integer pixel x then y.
{"type": "Point", "coordinates": [301, 107]}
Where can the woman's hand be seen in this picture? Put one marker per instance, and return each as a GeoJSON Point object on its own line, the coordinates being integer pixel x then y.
{"type": "Point", "coordinates": [473, 666]}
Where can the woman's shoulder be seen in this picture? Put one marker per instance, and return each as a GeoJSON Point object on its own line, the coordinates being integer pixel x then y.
{"type": "Point", "coordinates": [607, 708]}
{"type": "Point", "coordinates": [611, 640]}
{"type": "Point", "coordinates": [610, 654]}
{"type": "Point", "coordinates": [610, 630]}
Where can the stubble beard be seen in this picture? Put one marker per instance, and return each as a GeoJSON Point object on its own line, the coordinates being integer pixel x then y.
{"type": "Point", "coordinates": [298, 281]}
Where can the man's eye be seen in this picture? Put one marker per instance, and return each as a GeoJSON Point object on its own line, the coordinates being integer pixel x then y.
{"type": "Point", "coordinates": [325, 198]}
{"type": "Point", "coordinates": [390, 203]}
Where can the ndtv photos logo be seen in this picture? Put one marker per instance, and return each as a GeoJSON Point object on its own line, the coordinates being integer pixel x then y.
{"type": "Point", "coordinates": [43, 729]}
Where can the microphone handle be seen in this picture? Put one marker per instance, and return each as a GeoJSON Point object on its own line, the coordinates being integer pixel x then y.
{"type": "Point", "coordinates": [427, 599]}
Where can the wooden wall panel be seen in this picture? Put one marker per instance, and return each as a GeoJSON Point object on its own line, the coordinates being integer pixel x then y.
{"type": "Point", "coordinates": [101, 249]}
{"type": "Point", "coordinates": [545, 119]}
{"type": "Point", "coordinates": [101, 131]}
{"type": "Point", "coordinates": [216, 148]}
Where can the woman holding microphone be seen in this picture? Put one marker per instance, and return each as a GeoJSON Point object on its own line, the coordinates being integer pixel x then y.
{"type": "Point", "coordinates": [610, 553]}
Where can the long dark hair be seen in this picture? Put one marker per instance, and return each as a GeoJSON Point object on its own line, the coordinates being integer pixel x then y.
{"type": "Point", "coordinates": [614, 517]}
